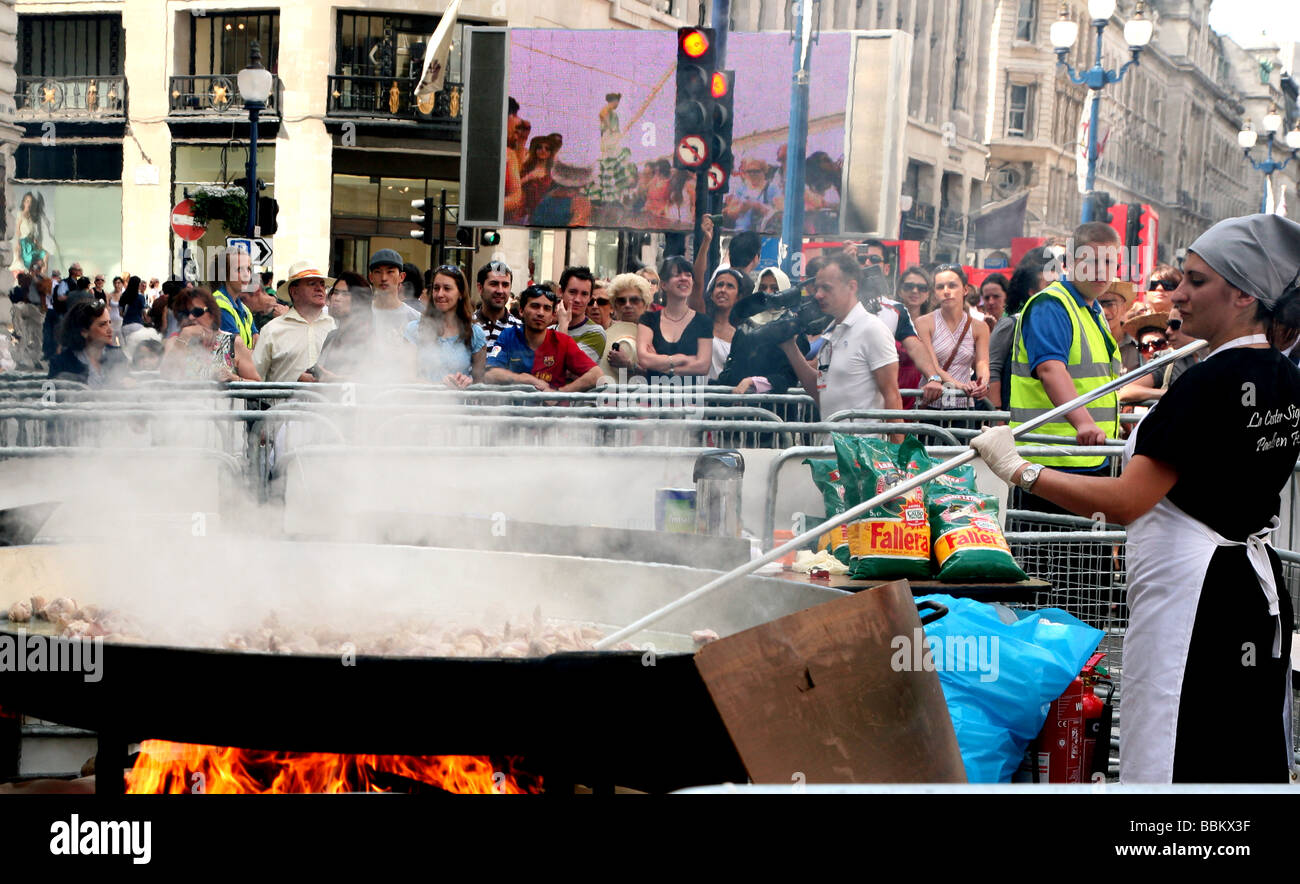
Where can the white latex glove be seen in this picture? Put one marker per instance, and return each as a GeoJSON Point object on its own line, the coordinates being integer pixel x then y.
{"type": "Point", "coordinates": [997, 447]}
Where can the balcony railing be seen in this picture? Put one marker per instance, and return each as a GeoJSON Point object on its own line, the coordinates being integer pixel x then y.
{"type": "Point", "coordinates": [213, 95]}
{"type": "Point", "coordinates": [72, 98]}
{"type": "Point", "coordinates": [920, 216]}
{"type": "Point", "coordinates": [393, 98]}
{"type": "Point", "coordinates": [953, 223]}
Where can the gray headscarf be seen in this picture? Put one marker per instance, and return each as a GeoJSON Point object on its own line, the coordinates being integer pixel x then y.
{"type": "Point", "coordinates": [1259, 254]}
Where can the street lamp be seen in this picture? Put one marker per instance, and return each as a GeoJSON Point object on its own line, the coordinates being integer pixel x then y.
{"type": "Point", "coordinates": [255, 84]}
{"type": "Point", "coordinates": [1064, 33]}
{"type": "Point", "coordinates": [1247, 138]}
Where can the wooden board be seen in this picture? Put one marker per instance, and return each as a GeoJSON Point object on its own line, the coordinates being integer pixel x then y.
{"type": "Point", "coordinates": [813, 697]}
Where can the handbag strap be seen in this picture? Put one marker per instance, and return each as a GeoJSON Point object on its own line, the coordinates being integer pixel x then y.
{"type": "Point", "coordinates": [957, 346]}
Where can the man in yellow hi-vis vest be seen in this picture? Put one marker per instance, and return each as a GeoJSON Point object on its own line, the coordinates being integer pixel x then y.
{"type": "Point", "coordinates": [236, 317]}
{"type": "Point", "coordinates": [1063, 349]}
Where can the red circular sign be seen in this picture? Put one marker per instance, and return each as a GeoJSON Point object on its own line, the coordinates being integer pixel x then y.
{"type": "Point", "coordinates": [183, 221]}
{"type": "Point", "coordinates": [717, 177]}
{"type": "Point", "coordinates": [692, 152]}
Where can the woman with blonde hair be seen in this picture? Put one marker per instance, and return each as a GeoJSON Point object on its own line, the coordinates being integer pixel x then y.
{"type": "Point", "coordinates": [631, 295]}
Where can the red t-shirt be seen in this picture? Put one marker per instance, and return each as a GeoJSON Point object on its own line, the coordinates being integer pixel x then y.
{"type": "Point", "coordinates": [560, 357]}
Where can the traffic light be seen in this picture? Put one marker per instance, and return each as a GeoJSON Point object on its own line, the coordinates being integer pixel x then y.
{"type": "Point", "coordinates": [696, 58]}
{"type": "Point", "coordinates": [720, 158]}
{"type": "Point", "coordinates": [1148, 240]}
{"type": "Point", "coordinates": [424, 219]}
{"type": "Point", "coordinates": [1099, 203]}
{"type": "Point", "coordinates": [490, 238]}
{"type": "Point", "coordinates": [465, 237]}
{"type": "Point", "coordinates": [268, 211]}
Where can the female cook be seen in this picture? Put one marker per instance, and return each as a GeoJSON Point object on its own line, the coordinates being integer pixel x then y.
{"type": "Point", "coordinates": [1206, 690]}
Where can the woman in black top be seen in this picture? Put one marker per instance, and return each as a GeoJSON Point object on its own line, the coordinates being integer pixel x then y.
{"type": "Point", "coordinates": [132, 305]}
{"type": "Point", "coordinates": [88, 355]}
{"type": "Point", "coordinates": [1206, 689]}
{"type": "Point", "coordinates": [675, 341]}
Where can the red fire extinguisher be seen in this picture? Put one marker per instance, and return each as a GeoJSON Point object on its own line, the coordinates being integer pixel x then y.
{"type": "Point", "coordinates": [1060, 743]}
{"type": "Point", "coordinates": [1097, 717]}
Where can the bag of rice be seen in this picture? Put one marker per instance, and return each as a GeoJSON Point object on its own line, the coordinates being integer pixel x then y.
{"type": "Point", "coordinates": [968, 544]}
{"type": "Point", "coordinates": [892, 540]}
{"type": "Point", "coordinates": [827, 479]}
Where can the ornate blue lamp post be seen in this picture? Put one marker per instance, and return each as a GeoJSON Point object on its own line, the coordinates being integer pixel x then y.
{"type": "Point", "coordinates": [1247, 137]}
{"type": "Point", "coordinates": [1064, 32]}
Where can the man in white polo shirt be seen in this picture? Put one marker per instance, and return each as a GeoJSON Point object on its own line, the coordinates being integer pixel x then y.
{"type": "Point", "coordinates": [289, 345]}
{"type": "Point", "coordinates": [857, 366]}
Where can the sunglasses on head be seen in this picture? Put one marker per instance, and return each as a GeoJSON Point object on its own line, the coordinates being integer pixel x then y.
{"type": "Point", "coordinates": [537, 291]}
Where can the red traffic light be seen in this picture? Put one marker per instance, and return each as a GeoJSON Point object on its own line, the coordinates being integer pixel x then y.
{"type": "Point", "coordinates": [695, 43]}
{"type": "Point", "coordinates": [718, 85]}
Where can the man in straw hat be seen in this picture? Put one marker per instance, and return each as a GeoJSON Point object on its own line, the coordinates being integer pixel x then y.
{"type": "Point", "coordinates": [289, 345]}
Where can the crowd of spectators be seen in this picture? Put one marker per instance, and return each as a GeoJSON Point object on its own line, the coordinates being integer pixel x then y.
{"type": "Point", "coordinates": [938, 334]}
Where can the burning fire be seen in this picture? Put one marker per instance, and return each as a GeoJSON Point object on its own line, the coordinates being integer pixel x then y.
{"type": "Point", "coordinates": [176, 768]}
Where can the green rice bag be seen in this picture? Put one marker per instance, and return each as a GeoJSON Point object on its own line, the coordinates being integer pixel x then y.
{"type": "Point", "coordinates": [967, 540]}
{"type": "Point", "coordinates": [892, 540]}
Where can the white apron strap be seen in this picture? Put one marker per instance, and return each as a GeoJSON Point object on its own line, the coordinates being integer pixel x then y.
{"type": "Point", "coordinates": [1257, 552]}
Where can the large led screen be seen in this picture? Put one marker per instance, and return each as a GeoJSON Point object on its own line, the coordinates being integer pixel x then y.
{"type": "Point", "coordinates": [590, 143]}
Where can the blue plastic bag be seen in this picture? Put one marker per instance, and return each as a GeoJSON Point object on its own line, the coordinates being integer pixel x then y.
{"type": "Point", "coordinates": [999, 678]}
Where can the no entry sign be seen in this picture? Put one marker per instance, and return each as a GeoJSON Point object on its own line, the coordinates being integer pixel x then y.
{"type": "Point", "coordinates": [183, 222]}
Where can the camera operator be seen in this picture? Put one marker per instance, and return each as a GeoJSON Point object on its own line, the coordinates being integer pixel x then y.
{"type": "Point", "coordinates": [857, 367]}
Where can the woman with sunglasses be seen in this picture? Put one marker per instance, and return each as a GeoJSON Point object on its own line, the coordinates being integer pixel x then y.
{"type": "Point", "coordinates": [88, 355]}
{"type": "Point", "coordinates": [675, 341]}
{"type": "Point", "coordinates": [1164, 280]}
{"type": "Point", "coordinates": [600, 309]}
{"type": "Point", "coordinates": [450, 348]}
{"type": "Point", "coordinates": [201, 351]}
{"type": "Point", "coordinates": [914, 293]}
{"type": "Point", "coordinates": [1210, 616]}
{"type": "Point", "coordinates": [960, 342]}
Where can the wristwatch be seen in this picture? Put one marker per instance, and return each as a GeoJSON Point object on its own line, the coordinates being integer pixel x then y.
{"type": "Point", "coordinates": [1029, 476]}
{"type": "Point", "coordinates": [934, 379]}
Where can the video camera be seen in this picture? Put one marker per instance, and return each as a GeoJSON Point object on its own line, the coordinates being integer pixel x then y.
{"type": "Point", "coordinates": [775, 318]}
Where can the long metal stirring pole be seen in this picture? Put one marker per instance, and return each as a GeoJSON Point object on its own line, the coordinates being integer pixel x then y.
{"type": "Point", "coordinates": [889, 494]}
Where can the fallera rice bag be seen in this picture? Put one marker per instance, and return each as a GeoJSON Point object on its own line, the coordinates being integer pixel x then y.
{"type": "Point", "coordinates": [892, 540]}
{"type": "Point", "coordinates": [968, 543]}
{"type": "Point", "coordinates": [826, 476]}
